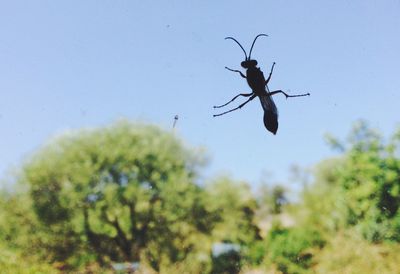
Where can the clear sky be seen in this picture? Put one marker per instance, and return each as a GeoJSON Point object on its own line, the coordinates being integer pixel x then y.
{"type": "Point", "coordinates": [73, 64]}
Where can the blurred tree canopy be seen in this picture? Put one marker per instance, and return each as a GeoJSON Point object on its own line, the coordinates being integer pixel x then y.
{"type": "Point", "coordinates": [131, 192]}
{"type": "Point", "coordinates": [114, 192]}
{"type": "Point", "coordinates": [352, 198]}
{"type": "Point", "coordinates": [127, 192]}
{"type": "Point", "coordinates": [236, 206]}
{"type": "Point", "coordinates": [272, 198]}
{"type": "Point", "coordinates": [361, 188]}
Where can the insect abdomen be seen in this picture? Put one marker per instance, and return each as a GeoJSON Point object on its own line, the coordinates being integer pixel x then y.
{"type": "Point", "coordinates": [271, 121]}
{"type": "Point", "coordinates": [270, 113]}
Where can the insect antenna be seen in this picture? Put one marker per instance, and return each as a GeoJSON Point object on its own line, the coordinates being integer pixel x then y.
{"type": "Point", "coordinates": [245, 54]}
{"type": "Point", "coordinates": [252, 45]}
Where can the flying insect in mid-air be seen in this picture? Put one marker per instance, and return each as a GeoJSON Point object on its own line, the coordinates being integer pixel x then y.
{"type": "Point", "coordinates": [259, 86]}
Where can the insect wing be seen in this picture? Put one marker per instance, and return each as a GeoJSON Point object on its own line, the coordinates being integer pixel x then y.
{"type": "Point", "coordinates": [268, 104]}
{"type": "Point", "coordinates": [270, 113]}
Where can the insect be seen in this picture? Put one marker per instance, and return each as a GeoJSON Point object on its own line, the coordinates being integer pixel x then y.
{"type": "Point", "coordinates": [175, 121]}
{"type": "Point", "coordinates": [259, 86]}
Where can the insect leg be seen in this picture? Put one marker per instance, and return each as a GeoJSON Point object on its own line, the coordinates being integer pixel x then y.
{"type": "Point", "coordinates": [233, 99]}
{"type": "Point", "coordinates": [287, 95]}
{"type": "Point", "coordinates": [270, 74]}
{"type": "Point", "coordinates": [239, 107]}
{"type": "Point", "coordinates": [234, 70]}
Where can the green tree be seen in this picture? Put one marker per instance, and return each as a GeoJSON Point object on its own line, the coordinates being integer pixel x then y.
{"type": "Point", "coordinates": [370, 179]}
{"type": "Point", "coordinates": [19, 252]}
{"type": "Point", "coordinates": [323, 205]}
{"type": "Point", "coordinates": [361, 188]}
{"type": "Point", "coordinates": [273, 199]}
{"type": "Point", "coordinates": [236, 205]}
{"type": "Point", "coordinates": [121, 193]}
{"type": "Point", "coordinates": [292, 249]}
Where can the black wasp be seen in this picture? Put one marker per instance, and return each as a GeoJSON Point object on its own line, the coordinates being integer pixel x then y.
{"type": "Point", "coordinates": [258, 84]}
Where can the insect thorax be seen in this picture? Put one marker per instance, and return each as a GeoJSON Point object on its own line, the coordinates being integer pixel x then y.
{"type": "Point", "coordinates": [255, 79]}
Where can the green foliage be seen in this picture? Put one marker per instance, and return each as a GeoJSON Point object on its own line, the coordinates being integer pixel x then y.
{"type": "Point", "coordinates": [227, 263]}
{"type": "Point", "coordinates": [18, 237]}
{"type": "Point", "coordinates": [254, 253]}
{"type": "Point", "coordinates": [118, 194]}
{"type": "Point", "coordinates": [236, 205]}
{"type": "Point", "coordinates": [127, 193]}
{"type": "Point", "coordinates": [12, 262]}
{"type": "Point", "coordinates": [291, 249]}
{"type": "Point", "coordinates": [347, 252]}
{"type": "Point", "coordinates": [323, 205]}
{"type": "Point", "coordinates": [370, 182]}
{"type": "Point", "coordinates": [272, 199]}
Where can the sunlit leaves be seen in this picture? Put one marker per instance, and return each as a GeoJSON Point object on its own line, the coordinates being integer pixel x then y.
{"type": "Point", "coordinates": [117, 189]}
{"type": "Point", "coordinates": [367, 179]}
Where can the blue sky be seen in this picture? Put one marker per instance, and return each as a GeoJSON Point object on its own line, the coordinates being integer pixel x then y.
{"type": "Point", "coordinates": [74, 64]}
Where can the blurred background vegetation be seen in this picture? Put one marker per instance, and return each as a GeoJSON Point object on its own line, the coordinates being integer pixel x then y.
{"type": "Point", "coordinates": [131, 196]}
